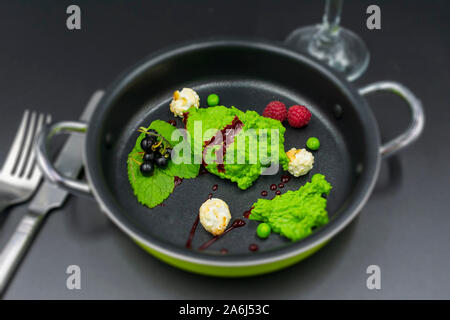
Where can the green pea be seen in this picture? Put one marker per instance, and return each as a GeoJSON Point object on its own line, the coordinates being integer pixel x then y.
{"type": "Point", "coordinates": [263, 230]}
{"type": "Point", "coordinates": [213, 100]}
{"type": "Point", "coordinates": [313, 143]}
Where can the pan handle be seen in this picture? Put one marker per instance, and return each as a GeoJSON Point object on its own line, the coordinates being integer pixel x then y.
{"type": "Point", "coordinates": [417, 115]}
{"type": "Point", "coordinates": [46, 165]}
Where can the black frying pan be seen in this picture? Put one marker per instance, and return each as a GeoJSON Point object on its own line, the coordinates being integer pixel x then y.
{"type": "Point", "coordinates": [247, 75]}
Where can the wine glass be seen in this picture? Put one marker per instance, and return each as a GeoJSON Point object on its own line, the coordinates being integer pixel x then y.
{"type": "Point", "coordinates": [340, 48]}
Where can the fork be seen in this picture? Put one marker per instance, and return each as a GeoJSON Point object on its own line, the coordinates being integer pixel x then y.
{"type": "Point", "coordinates": [20, 175]}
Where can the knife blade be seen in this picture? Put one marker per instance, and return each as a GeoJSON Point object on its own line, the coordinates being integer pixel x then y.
{"type": "Point", "coordinates": [48, 197]}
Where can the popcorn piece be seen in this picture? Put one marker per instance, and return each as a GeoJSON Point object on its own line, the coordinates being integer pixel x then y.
{"type": "Point", "coordinates": [215, 216]}
{"type": "Point", "coordinates": [183, 100]}
{"type": "Point", "coordinates": [300, 161]}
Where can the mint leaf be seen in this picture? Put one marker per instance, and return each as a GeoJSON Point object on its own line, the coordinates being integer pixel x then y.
{"type": "Point", "coordinates": [149, 191]}
{"type": "Point", "coordinates": [165, 129]}
{"type": "Point", "coordinates": [182, 170]}
{"type": "Point", "coordinates": [153, 190]}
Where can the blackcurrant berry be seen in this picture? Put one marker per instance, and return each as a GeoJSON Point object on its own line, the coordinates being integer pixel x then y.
{"type": "Point", "coordinates": [147, 169]}
{"type": "Point", "coordinates": [146, 144]}
{"type": "Point", "coordinates": [149, 157]}
{"type": "Point", "coordinates": [161, 162]}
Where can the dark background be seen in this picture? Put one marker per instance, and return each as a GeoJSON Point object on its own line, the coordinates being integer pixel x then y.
{"type": "Point", "coordinates": [404, 228]}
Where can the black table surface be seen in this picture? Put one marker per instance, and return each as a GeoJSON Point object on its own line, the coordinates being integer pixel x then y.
{"type": "Point", "coordinates": [404, 228]}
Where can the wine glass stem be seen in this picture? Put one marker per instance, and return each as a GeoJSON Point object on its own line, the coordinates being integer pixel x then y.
{"type": "Point", "coordinates": [329, 30]}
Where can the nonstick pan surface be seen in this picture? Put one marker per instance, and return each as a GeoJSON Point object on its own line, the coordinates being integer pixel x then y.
{"type": "Point", "coordinates": [247, 75]}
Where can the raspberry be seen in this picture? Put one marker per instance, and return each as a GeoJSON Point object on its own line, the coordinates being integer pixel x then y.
{"type": "Point", "coordinates": [298, 116]}
{"type": "Point", "coordinates": [275, 110]}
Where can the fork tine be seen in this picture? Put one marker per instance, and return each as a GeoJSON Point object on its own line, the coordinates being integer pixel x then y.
{"type": "Point", "coordinates": [35, 173]}
{"type": "Point", "coordinates": [13, 153]}
{"type": "Point", "coordinates": [25, 148]}
{"type": "Point", "coordinates": [30, 163]}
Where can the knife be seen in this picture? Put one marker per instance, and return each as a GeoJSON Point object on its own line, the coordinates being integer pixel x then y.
{"type": "Point", "coordinates": [48, 197]}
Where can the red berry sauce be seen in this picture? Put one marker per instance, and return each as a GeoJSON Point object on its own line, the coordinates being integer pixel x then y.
{"type": "Point", "coordinates": [191, 234]}
{"type": "Point", "coordinates": [177, 181]}
{"type": "Point", "coordinates": [285, 178]}
{"type": "Point", "coordinates": [248, 213]}
{"type": "Point", "coordinates": [236, 224]}
{"type": "Point", "coordinates": [228, 133]}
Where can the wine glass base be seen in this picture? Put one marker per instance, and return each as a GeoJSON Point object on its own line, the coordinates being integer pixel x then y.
{"type": "Point", "coordinates": [347, 54]}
